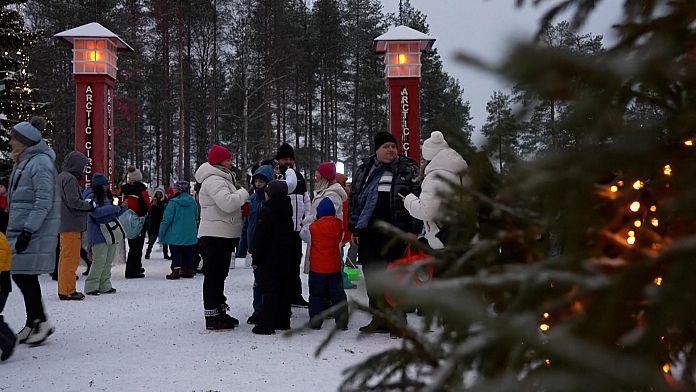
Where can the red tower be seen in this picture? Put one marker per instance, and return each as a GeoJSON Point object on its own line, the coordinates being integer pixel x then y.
{"type": "Point", "coordinates": [402, 47]}
{"type": "Point", "coordinates": [95, 52]}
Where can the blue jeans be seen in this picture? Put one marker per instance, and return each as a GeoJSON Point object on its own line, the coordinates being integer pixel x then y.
{"type": "Point", "coordinates": [327, 290]}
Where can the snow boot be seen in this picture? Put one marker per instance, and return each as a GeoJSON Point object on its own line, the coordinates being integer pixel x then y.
{"type": "Point", "coordinates": [188, 273]}
{"type": "Point", "coordinates": [42, 330]}
{"type": "Point", "coordinates": [147, 255]}
{"type": "Point", "coordinates": [8, 340]}
{"type": "Point", "coordinates": [214, 321]}
{"type": "Point", "coordinates": [224, 308]}
{"type": "Point", "coordinates": [176, 274]}
{"type": "Point", "coordinates": [76, 296]}
{"type": "Point", "coordinates": [24, 333]}
{"type": "Point", "coordinates": [374, 327]}
{"type": "Point", "coordinates": [259, 330]}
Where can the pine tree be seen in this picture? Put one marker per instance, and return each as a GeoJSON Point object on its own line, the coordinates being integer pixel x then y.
{"type": "Point", "coordinates": [16, 103]}
{"type": "Point", "coordinates": [582, 274]}
{"type": "Point", "coordinates": [501, 131]}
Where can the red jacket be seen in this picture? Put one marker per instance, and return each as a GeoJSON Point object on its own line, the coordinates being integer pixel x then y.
{"type": "Point", "coordinates": [324, 254]}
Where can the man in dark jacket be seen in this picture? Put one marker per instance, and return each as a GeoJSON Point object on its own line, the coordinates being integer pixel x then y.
{"type": "Point", "coordinates": [138, 200]}
{"type": "Point", "coordinates": [73, 221]}
{"type": "Point", "coordinates": [272, 238]}
{"type": "Point", "coordinates": [379, 186]}
{"type": "Point", "coordinates": [299, 199]}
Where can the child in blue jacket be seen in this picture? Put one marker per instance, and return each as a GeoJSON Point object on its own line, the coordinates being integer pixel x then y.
{"type": "Point", "coordinates": [179, 231]}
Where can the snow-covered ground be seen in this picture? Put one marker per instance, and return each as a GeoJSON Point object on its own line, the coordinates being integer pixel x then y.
{"type": "Point", "coordinates": [151, 336]}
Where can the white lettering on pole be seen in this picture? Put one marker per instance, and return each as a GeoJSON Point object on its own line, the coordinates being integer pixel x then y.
{"type": "Point", "coordinates": [88, 132]}
{"type": "Point", "coordinates": [404, 121]}
{"type": "Point", "coordinates": [109, 134]}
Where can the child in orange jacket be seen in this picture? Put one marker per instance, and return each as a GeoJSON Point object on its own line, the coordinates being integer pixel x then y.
{"type": "Point", "coordinates": [325, 280]}
{"type": "Point", "coordinates": [7, 337]}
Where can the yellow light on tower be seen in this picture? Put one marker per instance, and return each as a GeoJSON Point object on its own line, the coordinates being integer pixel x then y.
{"type": "Point", "coordinates": [666, 368]}
{"type": "Point", "coordinates": [638, 184]}
{"type": "Point", "coordinates": [667, 169]}
{"type": "Point", "coordinates": [654, 222]}
{"type": "Point", "coordinates": [635, 206]}
{"type": "Point", "coordinates": [402, 58]}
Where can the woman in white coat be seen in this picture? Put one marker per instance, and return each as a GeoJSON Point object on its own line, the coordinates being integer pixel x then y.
{"type": "Point", "coordinates": [444, 167]}
{"type": "Point", "coordinates": [219, 230]}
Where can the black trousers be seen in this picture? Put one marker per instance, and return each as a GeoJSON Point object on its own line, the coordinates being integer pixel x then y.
{"type": "Point", "coordinates": [31, 291]}
{"type": "Point", "coordinates": [151, 239]}
{"type": "Point", "coordinates": [276, 292]}
{"type": "Point", "coordinates": [375, 258]}
{"type": "Point", "coordinates": [134, 260]}
{"type": "Point", "coordinates": [296, 261]}
{"type": "Point", "coordinates": [219, 252]}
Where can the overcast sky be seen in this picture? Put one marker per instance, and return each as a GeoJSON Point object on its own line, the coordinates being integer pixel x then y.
{"type": "Point", "coordinates": [486, 28]}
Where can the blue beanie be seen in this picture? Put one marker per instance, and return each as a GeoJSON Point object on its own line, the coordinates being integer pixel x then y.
{"type": "Point", "coordinates": [325, 208]}
{"type": "Point", "coordinates": [26, 133]}
{"type": "Point", "coordinates": [265, 172]}
{"type": "Point", "coordinates": [99, 179]}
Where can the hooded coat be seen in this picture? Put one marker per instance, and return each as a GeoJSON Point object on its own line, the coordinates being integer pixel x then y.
{"type": "Point", "coordinates": [73, 208]}
{"type": "Point", "coordinates": [34, 204]}
{"type": "Point", "coordinates": [179, 222]}
{"type": "Point", "coordinates": [104, 213]}
{"type": "Point", "coordinates": [444, 169]}
{"type": "Point", "coordinates": [221, 203]}
{"type": "Point", "coordinates": [256, 205]}
{"type": "Point", "coordinates": [274, 233]}
{"type": "Point", "coordinates": [335, 193]}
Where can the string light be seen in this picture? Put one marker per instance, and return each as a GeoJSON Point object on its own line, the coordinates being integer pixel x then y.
{"type": "Point", "coordinates": [620, 183]}
{"type": "Point", "coordinates": [546, 315]}
{"type": "Point", "coordinates": [635, 206]}
{"type": "Point", "coordinates": [653, 208]}
{"type": "Point", "coordinates": [666, 368]}
{"type": "Point", "coordinates": [631, 240]}
{"type": "Point", "coordinates": [689, 143]}
{"type": "Point", "coordinates": [614, 188]}
{"type": "Point", "coordinates": [637, 223]}
{"type": "Point", "coordinates": [547, 362]}
{"type": "Point", "coordinates": [638, 184]}
{"type": "Point", "coordinates": [667, 170]}
{"type": "Point", "coordinates": [654, 222]}
{"type": "Point", "coordinates": [544, 327]}
{"type": "Point", "coordinates": [658, 281]}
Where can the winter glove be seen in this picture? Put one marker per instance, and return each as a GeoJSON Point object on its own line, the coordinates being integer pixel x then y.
{"type": "Point", "coordinates": [22, 242]}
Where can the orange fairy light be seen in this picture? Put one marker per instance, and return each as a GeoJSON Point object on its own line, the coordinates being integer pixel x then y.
{"type": "Point", "coordinates": [635, 206]}
{"type": "Point", "coordinates": [631, 240]}
{"type": "Point", "coordinates": [614, 188]}
{"type": "Point", "coordinates": [666, 368]}
{"type": "Point", "coordinates": [658, 281]}
{"type": "Point", "coordinates": [653, 208]}
{"type": "Point", "coordinates": [544, 327]}
{"type": "Point", "coordinates": [547, 362]}
{"type": "Point", "coordinates": [689, 143]}
{"type": "Point", "coordinates": [667, 169]}
{"type": "Point", "coordinates": [654, 221]}
{"type": "Point", "coordinates": [638, 184]}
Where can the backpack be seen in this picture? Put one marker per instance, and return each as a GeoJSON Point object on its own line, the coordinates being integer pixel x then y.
{"type": "Point", "coordinates": [131, 223]}
{"type": "Point", "coordinates": [112, 231]}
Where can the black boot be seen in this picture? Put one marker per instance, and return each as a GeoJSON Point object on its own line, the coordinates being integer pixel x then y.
{"type": "Point", "coordinates": [8, 341]}
{"type": "Point", "coordinates": [224, 308]}
{"type": "Point", "coordinates": [216, 322]}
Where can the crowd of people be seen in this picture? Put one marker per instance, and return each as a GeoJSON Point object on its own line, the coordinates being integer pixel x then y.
{"type": "Point", "coordinates": [264, 220]}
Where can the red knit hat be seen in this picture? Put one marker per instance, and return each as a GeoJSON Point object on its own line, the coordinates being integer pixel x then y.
{"type": "Point", "coordinates": [217, 154]}
{"type": "Point", "coordinates": [327, 170]}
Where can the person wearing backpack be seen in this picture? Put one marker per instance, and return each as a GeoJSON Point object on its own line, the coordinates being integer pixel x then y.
{"type": "Point", "coordinates": [99, 278]}
{"type": "Point", "coordinates": [138, 200]}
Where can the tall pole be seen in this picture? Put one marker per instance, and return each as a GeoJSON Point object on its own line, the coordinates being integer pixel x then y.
{"type": "Point", "coordinates": [215, 135]}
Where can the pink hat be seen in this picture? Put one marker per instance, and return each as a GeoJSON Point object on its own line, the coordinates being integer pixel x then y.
{"type": "Point", "coordinates": [327, 170]}
{"type": "Point", "coordinates": [217, 154]}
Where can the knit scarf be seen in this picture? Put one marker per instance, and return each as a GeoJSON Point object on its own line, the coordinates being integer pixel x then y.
{"type": "Point", "coordinates": [369, 195]}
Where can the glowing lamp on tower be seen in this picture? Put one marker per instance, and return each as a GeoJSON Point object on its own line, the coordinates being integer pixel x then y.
{"type": "Point", "coordinates": [402, 47]}
{"type": "Point", "coordinates": [94, 56]}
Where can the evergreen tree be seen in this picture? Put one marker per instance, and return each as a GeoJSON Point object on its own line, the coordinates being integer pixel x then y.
{"type": "Point", "coordinates": [542, 132]}
{"type": "Point", "coordinates": [501, 131]}
{"type": "Point", "coordinates": [16, 103]}
{"type": "Point", "coordinates": [582, 274]}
